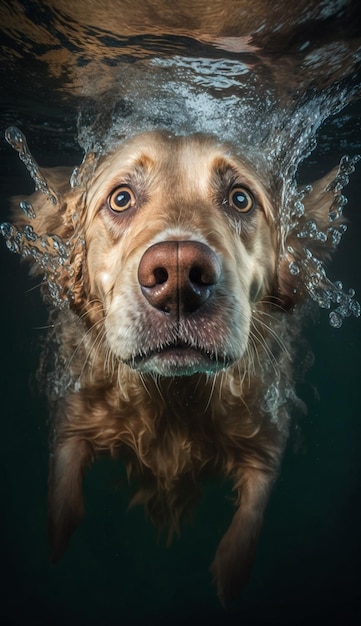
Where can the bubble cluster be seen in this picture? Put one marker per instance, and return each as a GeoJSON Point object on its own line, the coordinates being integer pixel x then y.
{"type": "Point", "coordinates": [17, 140]}
{"type": "Point", "coordinates": [272, 399]}
{"type": "Point", "coordinates": [276, 393]}
{"type": "Point", "coordinates": [328, 294]}
{"type": "Point", "coordinates": [27, 208]}
{"type": "Point", "coordinates": [49, 252]}
{"type": "Point", "coordinates": [308, 266]}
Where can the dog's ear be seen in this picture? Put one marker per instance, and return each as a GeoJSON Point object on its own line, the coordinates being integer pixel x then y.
{"type": "Point", "coordinates": [62, 213]}
{"type": "Point", "coordinates": [43, 230]}
{"type": "Point", "coordinates": [40, 211]}
{"type": "Point", "coordinates": [319, 201]}
{"type": "Point", "coordinates": [314, 233]}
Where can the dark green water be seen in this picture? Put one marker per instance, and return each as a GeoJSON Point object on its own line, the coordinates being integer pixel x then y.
{"type": "Point", "coordinates": [116, 571]}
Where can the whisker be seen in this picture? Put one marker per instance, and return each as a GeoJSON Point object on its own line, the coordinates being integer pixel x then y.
{"type": "Point", "coordinates": [82, 343]}
{"type": "Point", "coordinates": [37, 286]}
{"type": "Point", "coordinates": [144, 383]}
{"type": "Point", "coordinates": [276, 303]}
{"type": "Point", "coordinates": [94, 351]}
{"type": "Point", "coordinates": [156, 380]}
{"type": "Point", "coordinates": [210, 393]}
{"type": "Point", "coordinates": [272, 332]}
{"type": "Point", "coordinates": [257, 336]}
{"type": "Point", "coordinates": [254, 341]}
{"type": "Point", "coordinates": [46, 327]}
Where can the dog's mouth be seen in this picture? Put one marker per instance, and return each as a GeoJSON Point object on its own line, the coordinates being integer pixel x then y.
{"type": "Point", "coordinates": [179, 359]}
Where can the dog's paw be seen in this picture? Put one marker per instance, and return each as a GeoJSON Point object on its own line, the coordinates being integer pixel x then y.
{"type": "Point", "coordinates": [231, 569]}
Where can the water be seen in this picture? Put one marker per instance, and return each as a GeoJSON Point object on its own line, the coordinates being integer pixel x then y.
{"type": "Point", "coordinates": [286, 91]}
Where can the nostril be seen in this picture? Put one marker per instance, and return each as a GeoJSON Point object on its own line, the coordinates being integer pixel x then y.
{"type": "Point", "coordinates": [203, 275]}
{"type": "Point", "coordinates": [160, 275]}
{"type": "Point", "coordinates": [196, 275]}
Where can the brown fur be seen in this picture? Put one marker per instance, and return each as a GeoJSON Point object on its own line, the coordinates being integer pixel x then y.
{"type": "Point", "coordinates": [172, 427]}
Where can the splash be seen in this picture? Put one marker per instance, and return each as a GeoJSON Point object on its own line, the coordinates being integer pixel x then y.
{"type": "Point", "coordinates": [314, 279]}
{"type": "Point", "coordinates": [49, 252]}
{"type": "Point", "coordinates": [53, 255]}
{"type": "Point", "coordinates": [182, 95]}
{"type": "Point", "coordinates": [16, 139]}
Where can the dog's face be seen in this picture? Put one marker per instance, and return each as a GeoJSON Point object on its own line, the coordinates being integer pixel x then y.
{"type": "Point", "coordinates": [180, 248]}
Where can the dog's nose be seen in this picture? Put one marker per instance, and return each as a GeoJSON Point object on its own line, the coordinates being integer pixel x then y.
{"type": "Point", "coordinates": [177, 277]}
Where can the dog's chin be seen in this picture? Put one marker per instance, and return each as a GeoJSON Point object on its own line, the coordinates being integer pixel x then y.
{"type": "Point", "coordinates": [179, 360]}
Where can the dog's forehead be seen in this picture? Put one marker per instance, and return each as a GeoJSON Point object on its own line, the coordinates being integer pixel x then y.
{"type": "Point", "coordinates": [156, 149]}
{"type": "Point", "coordinates": [159, 150]}
{"type": "Point", "coordinates": [189, 161]}
{"type": "Point", "coordinates": [154, 154]}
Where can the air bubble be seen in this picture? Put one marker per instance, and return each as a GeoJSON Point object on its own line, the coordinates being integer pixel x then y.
{"type": "Point", "coordinates": [311, 228]}
{"type": "Point", "coordinates": [35, 253]}
{"type": "Point", "coordinates": [12, 246]}
{"type": "Point", "coordinates": [336, 236]}
{"type": "Point", "coordinates": [335, 319]}
{"type": "Point", "coordinates": [299, 209]}
{"type": "Point", "coordinates": [342, 201]}
{"type": "Point", "coordinates": [306, 190]}
{"type": "Point", "coordinates": [321, 236]}
{"type": "Point", "coordinates": [27, 208]}
{"type": "Point", "coordinates": [314, 280]}
{"type": "Point", "coordinates": [74, 178]}
{"type": "Point", "coordinates": [7, 230]}
{"type": "Point", "coordinates": [15, 138]}
{"type": "Point", "coordinates": [294, 268]}
{"type": "Point", "coordinates": [343, 309]}
{"type": "Point", "coordinates": [29, 233]}
{"type": "Point", "coordinates": [324, 300]}
{"type": "Point", "coordinates": [59, 246]}
{"type": "Point", "coordinates": [355, 308]}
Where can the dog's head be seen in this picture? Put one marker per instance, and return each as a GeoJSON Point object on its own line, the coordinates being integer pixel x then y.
{"type": "Point", "coordinates": [182, 251]}
{"type": "Point", "coordinates": [180, 248]}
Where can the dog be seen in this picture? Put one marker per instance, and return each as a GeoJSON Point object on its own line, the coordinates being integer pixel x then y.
{"type": "Point", "coordinates": [175, 328]}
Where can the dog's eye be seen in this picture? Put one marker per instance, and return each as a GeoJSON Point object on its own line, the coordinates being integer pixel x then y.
{"type": "Point", "coordinates": [241, 199]}
{"type": "Point", "coordinates": [121, 199]}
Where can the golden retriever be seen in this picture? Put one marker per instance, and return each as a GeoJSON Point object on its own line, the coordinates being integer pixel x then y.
{"type": "Point", "coordinates": [174, 347]}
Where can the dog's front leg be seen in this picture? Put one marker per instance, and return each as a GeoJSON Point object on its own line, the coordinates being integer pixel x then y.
{"type": "Point", "coordinates": [236, 552]}
{"type": "Point", "coordinates": [65, 499]}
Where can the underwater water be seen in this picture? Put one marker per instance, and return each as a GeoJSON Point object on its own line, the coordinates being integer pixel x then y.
{"type": "Point", "coordinates": [284, 88]}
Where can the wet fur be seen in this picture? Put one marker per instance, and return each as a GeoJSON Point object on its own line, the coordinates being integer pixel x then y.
{"type": "Point", "coordinates": [172, 431]}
